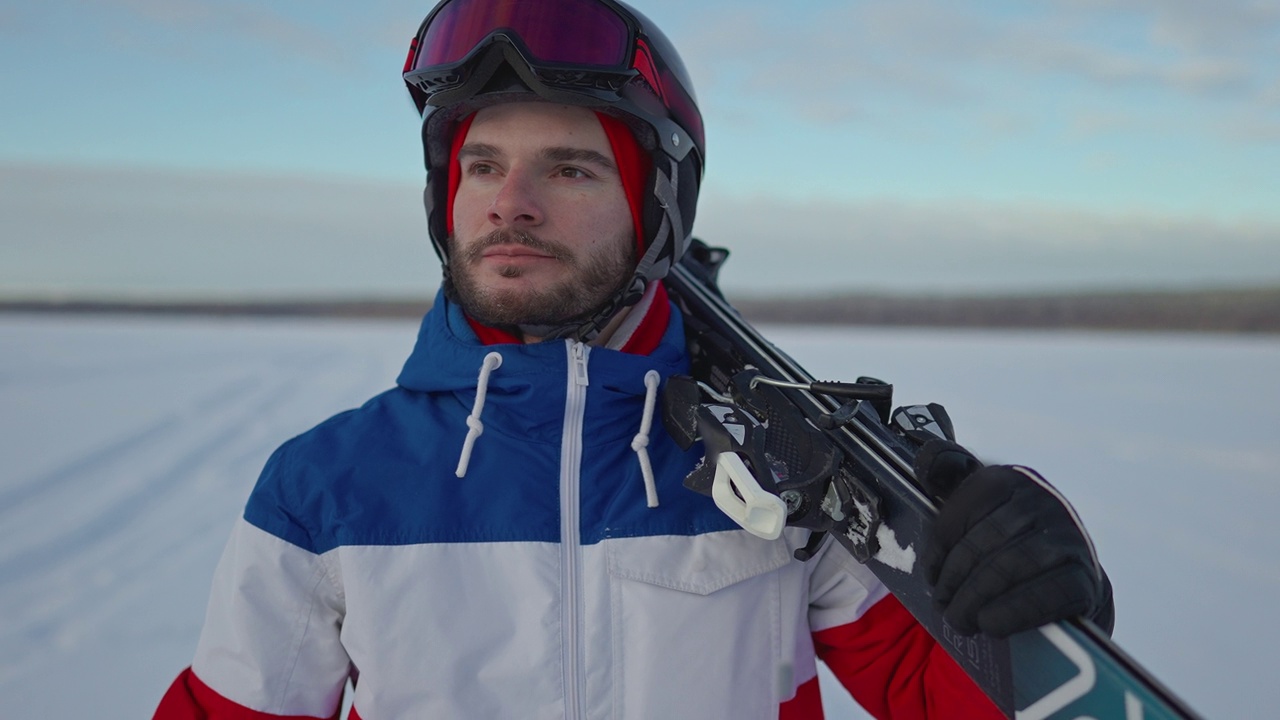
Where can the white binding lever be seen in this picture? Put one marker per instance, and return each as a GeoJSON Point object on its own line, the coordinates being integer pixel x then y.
{"type": "Point", "coordinates": [757, 510]}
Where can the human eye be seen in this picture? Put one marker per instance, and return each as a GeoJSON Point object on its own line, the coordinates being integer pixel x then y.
{"type": "Point", "coordinates": [480, 167]}
{"type": "Point", "coordinates": [572, 172]}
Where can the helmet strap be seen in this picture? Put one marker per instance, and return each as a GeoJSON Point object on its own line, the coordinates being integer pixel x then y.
{"type": "Point", "coordinates": [670, 229]}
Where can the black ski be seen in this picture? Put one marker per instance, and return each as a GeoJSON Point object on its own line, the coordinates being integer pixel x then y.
{"type": "Point", "coordinates": [839, 462]}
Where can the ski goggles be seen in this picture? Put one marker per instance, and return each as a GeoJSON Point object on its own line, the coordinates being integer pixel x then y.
{"type": "Point", "coordinates": [569, 48]}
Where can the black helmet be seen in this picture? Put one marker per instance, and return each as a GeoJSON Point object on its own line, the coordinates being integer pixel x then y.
{"type": "Point", "coordinates": [600, 54]}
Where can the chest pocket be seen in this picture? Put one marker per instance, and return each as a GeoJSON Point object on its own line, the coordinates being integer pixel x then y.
{"type": "Point", "coordinates": [698, 622]}
{"type": "Point", "coordinates": [698, 564]}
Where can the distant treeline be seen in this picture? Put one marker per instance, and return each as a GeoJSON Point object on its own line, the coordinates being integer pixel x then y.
{"type": "Point", "coordinates": [343, 308]}
{"type": "Point", "coordinates": [1249, 310]}
{"type": "Point", "coordinates": [1245, 310]}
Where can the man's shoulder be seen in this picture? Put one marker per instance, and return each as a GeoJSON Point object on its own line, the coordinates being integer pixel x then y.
{"type": "Point", "coordinates": [354, 437]}
{"type": "Point", "coordinates": [348, 427]}
{"type": "Point", "coordinates": [308, 472]}
{"type": "Point", "coordinates": [384, 474]}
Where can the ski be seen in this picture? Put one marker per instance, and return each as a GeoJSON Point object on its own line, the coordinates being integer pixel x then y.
{"type": "Point", "coordinates": [839, 462]}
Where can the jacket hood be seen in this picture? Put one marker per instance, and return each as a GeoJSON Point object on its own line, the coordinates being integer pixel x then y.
{"type": "Point", "coordinates": [448, 356]}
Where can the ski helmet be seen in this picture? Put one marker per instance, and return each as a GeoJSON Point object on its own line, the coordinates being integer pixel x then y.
{"type": "Point", "coordinates": [599, 54]}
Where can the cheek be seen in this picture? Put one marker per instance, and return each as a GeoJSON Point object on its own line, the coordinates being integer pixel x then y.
{"type": "Point", "coordinates": [469, 210]}
{"type": "Point", "coordinates": [618, 222]}
{"type": "Point", "coordinates": [605, 215]}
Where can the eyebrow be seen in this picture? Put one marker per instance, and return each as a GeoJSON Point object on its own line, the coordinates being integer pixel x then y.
{"type": "Point", "coordinates": [577, 155]}
{"type": "Point", "coordinates": [478, 150]}
{"type": "Point", "coordinates": [555, 154]}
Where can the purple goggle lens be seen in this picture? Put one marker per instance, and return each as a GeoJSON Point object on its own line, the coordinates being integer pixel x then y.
{"type": "Point", "coordinates": [582, 33]}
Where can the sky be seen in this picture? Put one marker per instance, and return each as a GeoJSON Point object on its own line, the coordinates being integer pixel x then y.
{"type": "Point", "coordinates": [202, 148]}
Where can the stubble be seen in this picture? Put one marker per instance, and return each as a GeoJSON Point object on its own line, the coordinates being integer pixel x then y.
{"type": "Point", "coordinates": [591, 280]}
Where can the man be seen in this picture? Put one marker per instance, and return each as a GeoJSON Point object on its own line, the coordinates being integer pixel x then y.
{"type": "Point", "coordinates": [505, 534]}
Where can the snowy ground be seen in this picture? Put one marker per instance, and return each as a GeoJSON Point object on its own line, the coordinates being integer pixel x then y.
{"type": "Point", "coordinates": [128, 445]}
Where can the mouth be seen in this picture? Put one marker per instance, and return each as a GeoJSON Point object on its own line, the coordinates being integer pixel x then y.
{"type": "Point", "coordinates": [506, 251]}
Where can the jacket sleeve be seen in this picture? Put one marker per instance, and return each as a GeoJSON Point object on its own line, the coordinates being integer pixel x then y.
{"type": "Point", "coordinates": [889, 663]}
{"type": "Point", "coordinates": [270, 645]}
{"type": "Point", "coordinates": [190, 699]}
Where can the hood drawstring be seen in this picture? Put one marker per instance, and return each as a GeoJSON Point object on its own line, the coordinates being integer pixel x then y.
{"type": "Point", "coordinates": [492, 362]}
{"type": "Point", "coordinates": [640, 443]}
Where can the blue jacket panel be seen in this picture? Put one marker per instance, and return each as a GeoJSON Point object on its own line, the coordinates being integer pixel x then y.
{"type": "Point", "coordinates": [383, 474]}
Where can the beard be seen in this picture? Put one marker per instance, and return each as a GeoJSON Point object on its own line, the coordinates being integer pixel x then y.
{"type": "Point", "coordinates": [592, 279]}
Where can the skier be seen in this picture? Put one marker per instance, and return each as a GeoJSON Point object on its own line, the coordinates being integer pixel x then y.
{"type": "Point", "coordinates": [505, 533]}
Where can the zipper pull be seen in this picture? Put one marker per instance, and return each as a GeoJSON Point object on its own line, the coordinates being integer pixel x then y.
{"type": "Point", "coordinates": [578, 362]}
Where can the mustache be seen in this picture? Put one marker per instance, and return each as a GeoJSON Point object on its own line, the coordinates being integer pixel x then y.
{"type": "Point", "coordinates": [504, 236]}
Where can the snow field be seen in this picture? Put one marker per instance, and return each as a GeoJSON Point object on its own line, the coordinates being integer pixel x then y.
{"type": "Point", "coordinates": [128, 446]}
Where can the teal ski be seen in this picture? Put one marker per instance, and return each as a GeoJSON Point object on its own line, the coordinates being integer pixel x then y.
{"type": "Point", "coordinates": [848, 464]}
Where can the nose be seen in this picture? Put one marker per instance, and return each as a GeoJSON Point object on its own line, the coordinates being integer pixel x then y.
{"type": "Point", "coordinates": [516, 203]}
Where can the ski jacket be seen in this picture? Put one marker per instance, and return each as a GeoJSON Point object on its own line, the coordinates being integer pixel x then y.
{"type": "Point", "coordinates": [505, 535]}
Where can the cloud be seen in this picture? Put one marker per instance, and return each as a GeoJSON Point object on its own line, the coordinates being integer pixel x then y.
{"type": "Point", "coordinates": [1091, 124]}
{"type": "Point", "coordinates": [11, 19]}
{"type": "Point", "coordinates": [826, 61]}
{"type": "Point", "coordinates": [1271, 93]}
{"type": "Point", "coordinates": [1209, 75]}
{"type": "Point", "coordinates": [334, 35]}
{"type": "Point", "coordinates": [1253, 129]}
{"type": "Point", "coordinates": [1116, 67]}
{"type": "Point", "coordinates": [111, 231]}
{"type": "Point", "coordinates": [1218, 27]}
{"type": "Point", "coordinates": [837, 61]}
{"type": "Point", "coordinates": [121, 231]}
{"type": "Point", "coordinates": [805, 247]}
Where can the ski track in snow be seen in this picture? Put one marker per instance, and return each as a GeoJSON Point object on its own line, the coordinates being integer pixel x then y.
{"type": "Point", "coordinates": [200, 440]}
{"type": "Point", "coordinates": [140, 442]}
{"type": "Point", "coordinates": [127, 447]}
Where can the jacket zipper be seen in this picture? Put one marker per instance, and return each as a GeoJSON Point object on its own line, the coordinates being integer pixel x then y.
{"type": "Point", "coordinates": [570, 533]}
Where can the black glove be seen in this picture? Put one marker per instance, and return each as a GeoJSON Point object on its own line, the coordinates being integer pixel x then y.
{"type": "Point", "coordinates": [1008, 553]}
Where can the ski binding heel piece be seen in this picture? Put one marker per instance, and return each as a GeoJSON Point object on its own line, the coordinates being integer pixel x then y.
{"type": "Point", "coordinates": [739, 496]}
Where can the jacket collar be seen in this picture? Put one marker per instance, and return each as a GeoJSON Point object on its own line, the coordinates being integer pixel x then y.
{"type": "Point", "coordinates": [639, 333]}
{"type": "Point", "coordinates": [448, 354]}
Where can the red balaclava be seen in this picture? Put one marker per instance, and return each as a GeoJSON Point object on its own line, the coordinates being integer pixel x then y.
{"type": "Point", "coordinates": [633, 166]}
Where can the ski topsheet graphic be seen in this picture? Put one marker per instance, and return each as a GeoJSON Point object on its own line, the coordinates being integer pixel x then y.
{"type": "Point", "coordinates": [836, 458]}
